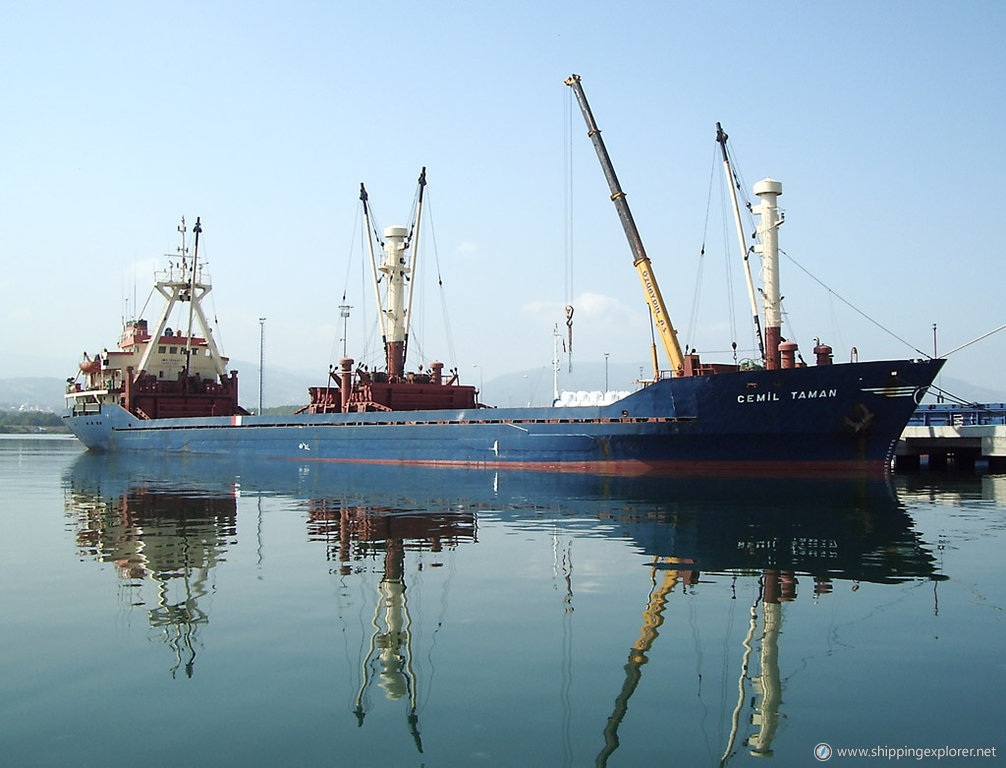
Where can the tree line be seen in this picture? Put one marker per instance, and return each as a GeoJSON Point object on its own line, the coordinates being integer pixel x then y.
{"type": "Point", "coordinates": [30, 421]}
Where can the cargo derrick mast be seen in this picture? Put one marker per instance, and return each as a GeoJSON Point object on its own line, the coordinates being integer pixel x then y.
{"type": "Point", "coordinates": [721, 139]}
{"type": "Point", "coordinates": [393, 389]}
{"type": "Point", "coordinates": [397, 270]}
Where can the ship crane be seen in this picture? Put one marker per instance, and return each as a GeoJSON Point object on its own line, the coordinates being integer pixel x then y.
{"type": "Point", "coordinates": [640, 260]}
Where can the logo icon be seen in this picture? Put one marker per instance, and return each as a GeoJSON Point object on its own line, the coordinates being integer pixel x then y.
{"type": "Point", "coordinates": [822, 751]}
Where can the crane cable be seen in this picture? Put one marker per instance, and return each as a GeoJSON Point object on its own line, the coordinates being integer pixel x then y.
{"type": "Point", "coordinates": [568, 221]}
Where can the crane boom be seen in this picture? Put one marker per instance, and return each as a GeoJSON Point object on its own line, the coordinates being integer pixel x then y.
{"type": "Point", "coordinates": [640, 260]}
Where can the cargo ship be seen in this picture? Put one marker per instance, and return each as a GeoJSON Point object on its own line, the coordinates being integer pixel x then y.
{"type": "Point", "coordinates": [171, 391]}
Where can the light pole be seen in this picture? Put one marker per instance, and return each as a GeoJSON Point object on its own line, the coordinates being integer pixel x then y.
{"type": "Point", "coordinates": [939, 395]}
{"type": "Point", "coordinates": [606, 372]}
{"type": "Point", "coordinates": [261, 353]}
{"type": "Point", "coordinates": [344, 312]}
{"type": "Point", "coordinates": [481, 379]}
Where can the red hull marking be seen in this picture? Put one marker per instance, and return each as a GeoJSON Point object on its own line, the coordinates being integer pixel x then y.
{"type": "Point", "coordinates": [628, 468]}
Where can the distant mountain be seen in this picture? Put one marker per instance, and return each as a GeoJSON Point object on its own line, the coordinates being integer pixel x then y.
{"type": "Point", "coordinates": [962, 390]}
{"type": "Point", "coordinates": [36, 393]}
{"type": "Point", "coordinates": [280, 386]}
{"type": "Point", "coordinates": [536, 386]}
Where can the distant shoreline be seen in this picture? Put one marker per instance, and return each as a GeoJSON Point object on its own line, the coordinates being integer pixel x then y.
{"type": "Point", "coordinates": [22, 429]}
{"type": "Point", "coordinates": [65, 437]}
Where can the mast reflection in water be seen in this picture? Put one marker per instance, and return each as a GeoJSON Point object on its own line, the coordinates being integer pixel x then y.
{"type": "Point", "coordinates": [169, 526]}
{"type": "Point", "coordinates": [386, 533]}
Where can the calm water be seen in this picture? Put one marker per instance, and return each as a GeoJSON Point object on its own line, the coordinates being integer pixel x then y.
{"type": "Point", "coordinates": [197, 612]}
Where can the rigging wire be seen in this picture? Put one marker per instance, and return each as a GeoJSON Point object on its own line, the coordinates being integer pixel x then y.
{"type": "Point", "coordinates": [757, 333]}
{"type": "Point", "coordinates": [694, 317]}
{"type": "Point", "coordinates": [452, 571]}
{"type": "Point", "coordinates": [973, 341]}
{"type": "Point", "coordinates": [726, 224]}
{"type": "Point", "coordinates": [365, 356]}
{"type": "Point", "coordinates": [787, 320]}
{"type": "Point", "coordinates": [451, 351]}
{"type": "Point", "coordinates": [957, 399]}
{"type": "Point", "coordinates": [217, 328]}
{"type": "Point", "coordinates": [146, 302]}
{"type": "Point", "coordinates": [357, 219]}
{"type": "Point", "coordinates": [852, 306]}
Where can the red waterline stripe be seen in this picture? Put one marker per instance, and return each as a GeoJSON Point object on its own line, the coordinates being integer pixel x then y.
{"type": "Point", "coordinates": [633, 468]}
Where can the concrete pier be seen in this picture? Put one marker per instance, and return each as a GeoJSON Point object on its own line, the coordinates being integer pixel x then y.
{"type": "Point", "coordinates": [954, 436]}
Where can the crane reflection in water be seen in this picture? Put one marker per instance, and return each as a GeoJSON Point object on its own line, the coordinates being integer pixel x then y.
{"type": "Point", "coordinates": [169, 525]}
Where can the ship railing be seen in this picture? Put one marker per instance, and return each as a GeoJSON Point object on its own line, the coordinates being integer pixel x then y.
{"type": "Point", "coordinates": [954, 415]}
{"type": "Point", "coordinates": [85, 409]}
{"type": "Point", "coordinates": [175, 275]}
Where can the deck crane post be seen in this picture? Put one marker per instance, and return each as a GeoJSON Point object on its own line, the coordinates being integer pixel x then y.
{"type": "Point", "coordinates": [721, 139]}
{"type": "Point", "coordinates": [640, 260]}
{"type": "Point", "coordinates": [365, 199]}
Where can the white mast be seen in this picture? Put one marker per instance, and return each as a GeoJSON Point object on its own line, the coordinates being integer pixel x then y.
{"type": "Point", "coordinates": [197, 229]}
{"type": "Point", "coordinates": [395, 269]}
{"type": "Point", "coordinates": [721, 138]}
{"type": "Point", "coordinates": [187, 287]}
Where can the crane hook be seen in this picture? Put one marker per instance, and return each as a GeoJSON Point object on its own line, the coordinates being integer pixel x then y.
{"type": "Point", "coordinates": [569, 327]}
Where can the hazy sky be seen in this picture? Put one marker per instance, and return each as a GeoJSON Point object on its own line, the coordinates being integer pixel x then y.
{"type": "Point", "coordinates": [879, 119]}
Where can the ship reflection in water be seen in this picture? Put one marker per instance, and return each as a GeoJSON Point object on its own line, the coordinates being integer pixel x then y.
{"type": "Point", "coordinates": [168, 524]}
{"type": "Point", "coordinates": [165, 538]}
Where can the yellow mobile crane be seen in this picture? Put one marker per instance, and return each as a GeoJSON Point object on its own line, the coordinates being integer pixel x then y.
{"type": "Point", "coordinates": [640, 260]}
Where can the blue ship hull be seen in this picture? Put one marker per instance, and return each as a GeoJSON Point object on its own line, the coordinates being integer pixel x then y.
{"type": "Point", "coordinates": [846, 416]}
